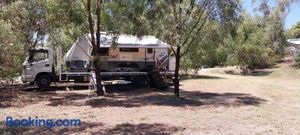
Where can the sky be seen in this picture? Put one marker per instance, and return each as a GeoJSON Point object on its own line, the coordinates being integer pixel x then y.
{"type": "Point", "coordinates": [292, 18]}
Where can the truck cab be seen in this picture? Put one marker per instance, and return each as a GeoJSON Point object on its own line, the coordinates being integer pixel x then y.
{"type": "Point", "coordinates": [39, 67]}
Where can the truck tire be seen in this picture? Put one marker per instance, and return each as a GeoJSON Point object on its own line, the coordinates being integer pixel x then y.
{"type": "Point", "coordinates": [43, 81]}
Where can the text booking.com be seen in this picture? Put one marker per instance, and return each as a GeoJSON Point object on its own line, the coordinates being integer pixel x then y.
{"type": "Point", "coordinates": [37, 122]}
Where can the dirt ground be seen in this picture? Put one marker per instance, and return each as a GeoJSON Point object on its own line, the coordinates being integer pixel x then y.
{"type": "Point", "coordinates": [211, 103]}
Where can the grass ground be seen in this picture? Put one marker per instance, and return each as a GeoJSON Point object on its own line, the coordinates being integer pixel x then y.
{"type": "Point", "coordinates": [214, 103]}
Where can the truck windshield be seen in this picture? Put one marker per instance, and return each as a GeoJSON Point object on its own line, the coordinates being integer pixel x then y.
{"type": "Point", "coordinates": [38, 55]}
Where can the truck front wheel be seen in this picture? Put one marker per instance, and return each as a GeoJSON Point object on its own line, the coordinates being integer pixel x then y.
{"type": "Point", "coordinates": [43, 81]}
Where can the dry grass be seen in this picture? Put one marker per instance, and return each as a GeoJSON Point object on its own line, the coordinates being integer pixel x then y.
{"type": "Point", "coordinates": [214, 103]}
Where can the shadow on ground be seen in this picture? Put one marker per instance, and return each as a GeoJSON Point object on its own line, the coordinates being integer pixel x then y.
{"type": "Point", "coordinates": [127, 96]}
{"type": "Point", "coordinates": [188, 99]}
{"type": "Point", "coordinates": [94, 128]}
{"type": "Point", "coordinates": [145, 129]}
{"type": "Point", "coordinates": [22, 95]}
{"type": "Point", "coordinates": [61, 87]}
{"type": "Point", "coordinates": [260, 73]}
{"type": "Point", "coordinates": [187, 77]}
{"type": "Point", "coordinates": [43, 130]}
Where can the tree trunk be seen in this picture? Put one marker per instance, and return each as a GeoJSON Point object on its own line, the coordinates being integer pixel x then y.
{"type": "Point", "coordinates": [176, 75]}
{"type": "Point", "coordinates": [97, 64]}
{"type": "Point", "coordinates": [98, 77]}
{"type": "Point", "coordinates": [96, 46]}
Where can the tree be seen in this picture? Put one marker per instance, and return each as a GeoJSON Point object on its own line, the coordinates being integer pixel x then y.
{"type": "Point", "coordinates": [67, 21]}
{"type": "Point", "coordinates": [96, 41]}
{"type": "Point", "coordinates": [294, 32]}
{"type": "Point", "coordinates": [34, 23]}
{"type": "Point", "coordinates": [24, 26]}
{"type": "Point", "coordinates": [275, 30]}
{"type": "Point", "coordinates": [251, 47]}
{"type": "Point", "coordinates": [180, 22]}
{"type": "Point", "coordinates": [273, 23]}
{"type": "Point", "coordinates": [10, 62]}
{"type": "Point", "coordinates": [208, 49]}
{"type": "Point", "coordinates": [28, 21]}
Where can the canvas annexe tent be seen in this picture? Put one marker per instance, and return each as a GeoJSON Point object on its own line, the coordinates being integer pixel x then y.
{"type": "Point", "coordinates": [129, 53]}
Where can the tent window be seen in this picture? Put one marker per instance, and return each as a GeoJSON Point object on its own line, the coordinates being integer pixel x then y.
{"type": "Point", "coordinates": [129, 49]}
{"type": "Point", "coordinates": [149, 50]}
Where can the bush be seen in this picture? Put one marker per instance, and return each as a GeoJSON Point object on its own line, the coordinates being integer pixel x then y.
{"type": "Point", "coordinates": [267, 58]}
{"type": "Point", "coordinates": [297, 59]}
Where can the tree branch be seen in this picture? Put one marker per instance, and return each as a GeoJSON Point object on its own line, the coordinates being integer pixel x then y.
{"type": "Point", "coordinates": [191, 7]}
{"type": "Point", "coordinates": [193, 38]}
{"type": "Point", "coordinates": [98, 13]}
{"type": "Point", "coordinates": [189, 45]}
{"type": "Point", "coordinates": [196, 24]}
{"type": "Point", "coordinates": [91, 27]}
{"type": "Point", "coordinates": [174, 9]}
{"type": "Point", "coordinates": [173, 50]}
{"type": "Point", "coordinates": [85, 5]}
{"type": "Point", "coordinates": [37, 37]}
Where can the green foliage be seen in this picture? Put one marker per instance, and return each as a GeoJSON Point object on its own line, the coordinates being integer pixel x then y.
{"type": "Point", "coordinates": [26, 24]}
{"type": "Point", "coordinates": [298, 60]}
{"type": "Point", "coordinates": [130, 17]}
{"type": "Point", "coordinates": [274, 29]}
{"type": "Point", "coordinates": [186, 64]}
{"type": "Point", "coordinates": [251, 46]}
{"type": "Point", "coordinates": [67, 20]}
{"type": "Point", "coordinates": [208, 50]}
{"type": "Point", "coordinates": [27, 20]}
{"type": "Point", "coordinates": [294, 32]}
{"type": "Point", "coordinates": [223, 33]}
{"type": "Point", "coordinates": [10, 61]}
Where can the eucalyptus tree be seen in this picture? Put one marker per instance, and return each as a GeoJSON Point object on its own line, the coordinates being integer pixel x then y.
{"type": "Point", "coordinates": [10, 52]}
{"type": "Point", "coordinates": [95, 41]}
{"type": "Point", "coordinates": [67, 21]}
{"type": "Point", "coordinates": [23, 26]}
{"type": "Point", "coordinates": [180, 23]}
{"type": "Point", "coordinates": [28, 21]}
{"type": "Point", "coordinates": [294, 32]}
{"type": "Point", "coordinates": [33, 23]}
{"type": "Point", "coordinates": [273, 22]}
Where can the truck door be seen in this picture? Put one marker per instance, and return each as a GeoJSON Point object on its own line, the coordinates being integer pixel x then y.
{"type": "Point", "coordinates": [38, 62]}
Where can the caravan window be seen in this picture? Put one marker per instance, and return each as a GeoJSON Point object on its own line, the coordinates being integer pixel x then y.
{"type": "Point", "coordinates": [129, 49]}
{"type": "Point", "coordinates": [149, 50]}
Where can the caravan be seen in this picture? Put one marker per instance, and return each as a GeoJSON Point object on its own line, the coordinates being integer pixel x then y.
{"type": "Point", "coordinates": [127, 53]}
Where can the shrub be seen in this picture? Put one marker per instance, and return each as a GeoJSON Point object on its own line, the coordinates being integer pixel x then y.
{"type": "Point", "coordinates": [267, 58]}
{"type": "Point", "coordinates": [297, 59]}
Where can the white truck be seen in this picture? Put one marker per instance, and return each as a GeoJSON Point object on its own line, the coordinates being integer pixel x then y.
{"type": "Point", "coordinates": [39, 66]}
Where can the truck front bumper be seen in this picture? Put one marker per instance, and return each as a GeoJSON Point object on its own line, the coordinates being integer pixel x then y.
{"type": "Point", "coordinates": [27, 78]}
